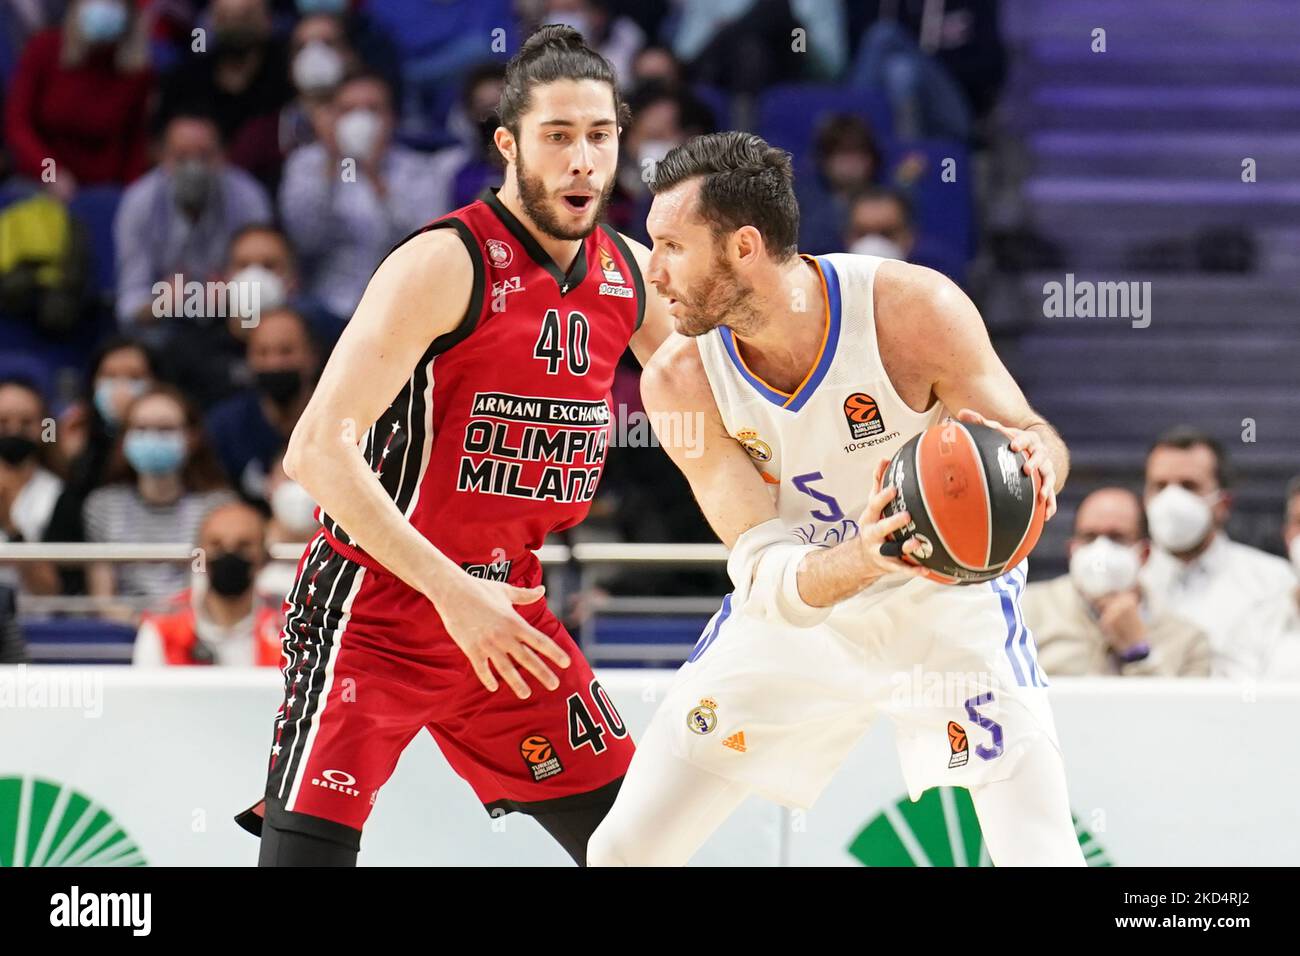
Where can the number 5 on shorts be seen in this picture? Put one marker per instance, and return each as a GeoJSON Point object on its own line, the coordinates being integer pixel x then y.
{"type": "Point", "coordinates": [988, 723]}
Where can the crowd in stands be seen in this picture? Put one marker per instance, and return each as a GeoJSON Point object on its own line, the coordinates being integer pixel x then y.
{"type": "Point", "coordinates": [151, 151]}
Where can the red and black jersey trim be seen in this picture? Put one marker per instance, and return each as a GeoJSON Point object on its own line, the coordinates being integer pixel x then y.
{"type": "Point", "coordinates": [567, 281]}
{"type": "Point", "coordinates": [637, 281]}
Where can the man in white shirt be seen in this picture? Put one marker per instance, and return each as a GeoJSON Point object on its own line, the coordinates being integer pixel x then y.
{"type": "Point", "coordinates": [1285, 661]}
{"type": "Point", "coordinates": [1195, 570]}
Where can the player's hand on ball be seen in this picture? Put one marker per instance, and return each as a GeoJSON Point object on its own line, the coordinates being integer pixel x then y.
{"type": "Point", "coordinates": [1036, 456]}
{"type": "Point", "coordinates": [480, 617]}
{"type": "Point", "coordinates": [873, 532]}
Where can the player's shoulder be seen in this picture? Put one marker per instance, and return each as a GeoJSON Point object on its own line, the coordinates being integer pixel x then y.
{"type": "Point", "coordinates": [435, 254]}
{"type": "Point", "coordinates": [903, 287]}
{"type": "Point", "coordinates": [675, 374]}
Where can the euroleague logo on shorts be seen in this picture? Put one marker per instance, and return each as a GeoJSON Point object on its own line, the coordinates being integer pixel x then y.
{"type": "Point", "coordinates": [863, 415]}
{"type": "Point", "coordinates": [499, 253]}
{"type": "Point", "coordinates": [539, 755]}
{"type": "Point", "coordinates": [959, 744]}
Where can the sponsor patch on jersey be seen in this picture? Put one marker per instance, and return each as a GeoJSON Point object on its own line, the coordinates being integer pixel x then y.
{"type": "Point", "coordinates": [502, 289]}
{"type": "Point", "coordinates": [499, 253]}
{"type": "Point", "coordinates": [863, 415]}
{"type": "Point", "coordinates": [758, 449]}
{"type": "Point", "coordinates": [959, 744]}
{"type": "Point", "coordinates": [618, 291]}
{"type": "Point", "coordinates": [736, 741]}
{"type": "Point", "coordinates": [703, 718]}
{"type": "Point", "coordinates": [540, 756]}
{"type": "Point", "coordinates": [609, 266]}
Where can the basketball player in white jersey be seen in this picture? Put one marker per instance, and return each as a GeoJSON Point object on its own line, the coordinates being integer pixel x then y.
{"type": "Point", "coordinates": [781, 354]}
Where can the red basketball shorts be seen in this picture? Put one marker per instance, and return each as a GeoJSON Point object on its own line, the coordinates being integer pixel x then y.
{"type": "Point", "coordinates": [368, 665]}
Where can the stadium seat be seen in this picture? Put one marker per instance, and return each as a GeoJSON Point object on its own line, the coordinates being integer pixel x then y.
{"type": "Point", "coordinates": [94, 207]}
{"type": "Point", "coordinates": [788, 115]}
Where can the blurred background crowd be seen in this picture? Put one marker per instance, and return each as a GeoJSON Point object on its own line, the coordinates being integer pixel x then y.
{"type": "Point", "coordinates": [152, 150]}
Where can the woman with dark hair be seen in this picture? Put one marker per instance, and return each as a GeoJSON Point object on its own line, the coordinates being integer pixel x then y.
{"type": "Point", "coordinates": [162, 478]}
{"type": "Point", "coordinates": [29, 479]}
{"type": "Point", "coordinates": [78, 98]}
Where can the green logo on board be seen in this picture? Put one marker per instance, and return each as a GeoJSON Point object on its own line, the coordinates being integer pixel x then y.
{"type": "Point", "coordinates": [50, 824]}
{"type": "Point", "coordinates": [940, 829]}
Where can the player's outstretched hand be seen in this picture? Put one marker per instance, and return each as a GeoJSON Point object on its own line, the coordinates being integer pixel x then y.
{"type": "Point", "coordinates": [1035, 449]}
{"type": "Point", "coordinates": [880, 556]}
{"type": "Point", "coordinates": [480, 617]}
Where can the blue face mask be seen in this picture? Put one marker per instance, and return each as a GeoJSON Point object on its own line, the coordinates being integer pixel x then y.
{"type": "Point", "coordinates": [154, 453]}
{"type": "Point", "coordinates": [102, 21]}
{"type": "Point", "coordinates": [308, 7]}
{"type": "Point", "coordinates": [105, 390]}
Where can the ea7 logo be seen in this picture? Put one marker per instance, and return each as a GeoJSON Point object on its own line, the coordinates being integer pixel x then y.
{"type": "Point", "coordinates": [75, 908]}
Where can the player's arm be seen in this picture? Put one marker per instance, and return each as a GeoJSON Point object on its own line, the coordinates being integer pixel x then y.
{"type": "Point", "coordinates": [739, 506]}
{"type": "Point", "coordinates": [657, 324]}
{"type": "Point", "coordinates": [967, 374]}
{"type": "Point", "coordinates": [418, 293]}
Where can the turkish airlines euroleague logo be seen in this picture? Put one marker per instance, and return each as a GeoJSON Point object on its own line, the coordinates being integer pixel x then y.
{"type": "Point", "coordinates": [863, 415]}
{"type": "Point", "coordinates": [540, 756]}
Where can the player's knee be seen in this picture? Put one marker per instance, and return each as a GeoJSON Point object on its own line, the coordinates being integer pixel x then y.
{"type": "Point", "coordinates": [605, 848]}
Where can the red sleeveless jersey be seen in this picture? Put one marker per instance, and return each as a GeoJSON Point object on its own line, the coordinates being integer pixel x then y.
{"type": "Point", "coordinates": [499, 436]}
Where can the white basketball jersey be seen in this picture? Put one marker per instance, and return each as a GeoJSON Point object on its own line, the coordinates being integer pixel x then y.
{"type": "Point", "coordinates": [818, 448]}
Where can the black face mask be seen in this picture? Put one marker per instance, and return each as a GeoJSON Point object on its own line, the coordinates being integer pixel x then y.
{"type": "Point", "coordinates": [281, 386]}
{"type": "Point", "coordinates": [230, 574]}
{"type": "Point", "coordinates": [16, 449]}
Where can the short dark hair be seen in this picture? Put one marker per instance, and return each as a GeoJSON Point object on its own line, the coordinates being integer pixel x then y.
{"type": "Point", "coordinates": [843, 132]}
{"type": "Point", "coordinates": [746, 182]}
{"type": "Point", "coordinates": [271, 229]}
{"type": "Point", "coordinates": [552, 53]}
{"type": "Point", "coordinates": [1184, 437]}
{"type": "Point", "coordinates": [889, 193]}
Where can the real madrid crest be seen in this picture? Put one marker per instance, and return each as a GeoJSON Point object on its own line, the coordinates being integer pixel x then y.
{"type": "Point", "coordinates": [758, 449]}
{"type": "Point", "coordinates": [704, 718]}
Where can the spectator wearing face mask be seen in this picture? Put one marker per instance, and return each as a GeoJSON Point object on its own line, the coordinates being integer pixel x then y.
{"type": "Point", "coordinates": [178, 219]}
{"type": "Point", "coordinates": [29, 483]}
{"type": "Point", "coordinates": [350, 197]}
{"type": "Point", "coordinates": [252, 425]}
{"type": "Point", "coordinates": [120, 371]}
{"type": "Point", "coordinates": [241, 78]}
{"type": "Point", "coordinates": [293, 521]}
{"type": "Point", "coordinates": [474, 164]}
{"type": "Point", "coordinates": [880, 224]}
{"type": "Point", "coordinates": [219, 619]}
{"type": "Point", "coordinates": [1196, 571]}
{"type": "Point", "coordinates": [1096, 620]}
{"type": "Point", "coordinates": [846, 160]}
{"type": "Point", "coordinates": [319, 58]}
{"type": "Point", "coordinates": [617, 38]}
{"type": "Point", "coordinates": [163, 479]}
{"type": "Point", "coordinates": [78, 97]}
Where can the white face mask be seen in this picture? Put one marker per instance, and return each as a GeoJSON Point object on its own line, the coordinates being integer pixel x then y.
{"type": "Point", "coordinates": [1103, 566]}
{"type": "Point", "coordinates": [317, 67]}
{"type": "Point", "coordinates": [294, 508]}
{"type": "Point", "coordinates": [874, 245]}
{"type": "Point", "coordinates": [1179, 519]}
{"type": "Point", "coordinates": [270, 291]}
{"type": "Point", "coordinates": [1294, 552]}
{"type": "Point", "coordinates": [357, 133]}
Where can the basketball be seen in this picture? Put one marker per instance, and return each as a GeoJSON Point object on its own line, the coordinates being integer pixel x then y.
{"type": "Point", "coordinates": [975, 511]}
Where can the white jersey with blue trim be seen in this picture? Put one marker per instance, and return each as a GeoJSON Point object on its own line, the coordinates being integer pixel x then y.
{"type": "Point", "coordinates": [818, 448]}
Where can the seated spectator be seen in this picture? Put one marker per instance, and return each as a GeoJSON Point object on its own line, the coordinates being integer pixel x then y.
{"type": "Point", "coordinates": [1282, 612]}
{"type": "Point", "coordinates": [29, 483]}
{"type": "Point", "coordinates": [846, 160]}
{"type": "Point", "coordinates": [178, 219]}
{"type": "Point", "coordinates": [475, 164]}
{"type": "Point", "coordinates": [320, 57]}
{"type": "Point", "coordinates": [1195, 570]}
{"type": "Point", "coordinates": [349, 198]}
{"type": "Point", "coordinates": [162, 479]}
{"type": "Point", "coordinates": [1095, 620]}
{"type": "Point", "coordinates": [617, 38]}
{"type": "Point", "coordinates": [79, 97]}
{"type": "Point", "coordinates": [252, 425]}
{"type": "Point", "coordinates": [370, 42]}
{"type": "Point", "coordinates": [656, 64]}
{"type": "Point", "coordinates": [745, 45]}
{"type": "Point", "coordinates": [242, 81]}
{"type": "Point", "coordinates": [219, 619]}
{"type": "Point", "coordinates": [880, 224]}
{"type": "Point", "coordinates": [119, 371]}
{"type": "Point", "coordinates": [13, 648]}
{"type": "Point", "coordinates": [293, 521]}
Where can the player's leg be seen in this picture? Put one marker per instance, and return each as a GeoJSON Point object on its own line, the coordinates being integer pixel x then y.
{"type": "Point", "coordinates": [571, 821]}
{"type": "Point", "coordinates": [1026, 818]}
{"type": "Point", "coordinates": [296, 847]}
{"type": "Point", "coordinates": [666, 808]}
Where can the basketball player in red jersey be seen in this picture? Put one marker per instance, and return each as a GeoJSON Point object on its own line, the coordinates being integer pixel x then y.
{"type": "Point", "coordinates": [462, 417]}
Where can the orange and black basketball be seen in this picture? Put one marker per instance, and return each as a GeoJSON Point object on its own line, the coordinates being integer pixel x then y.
{"type": "Point", "coordinates": [975, 511]}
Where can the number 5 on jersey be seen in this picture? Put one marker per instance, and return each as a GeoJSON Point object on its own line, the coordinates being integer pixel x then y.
{"type": "Point", "coordinates": [554, 347]}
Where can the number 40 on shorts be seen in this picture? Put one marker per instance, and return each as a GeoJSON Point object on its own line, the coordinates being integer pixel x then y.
{"type": "Point", "coordinates": [584, 729]}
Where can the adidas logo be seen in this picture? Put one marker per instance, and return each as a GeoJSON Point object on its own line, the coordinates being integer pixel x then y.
{"type": "Point", "coordinates": [736, 741]}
